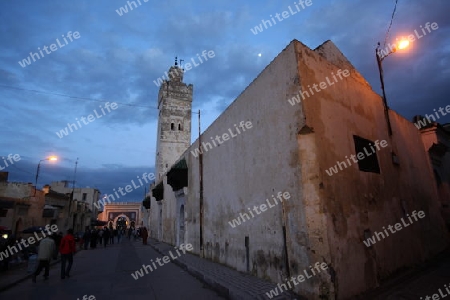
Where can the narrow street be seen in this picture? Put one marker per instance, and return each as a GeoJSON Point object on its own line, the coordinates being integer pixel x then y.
{"type": "Point", "coordinates": [105, 273]}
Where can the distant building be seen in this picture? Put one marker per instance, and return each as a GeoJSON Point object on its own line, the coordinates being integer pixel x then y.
{"type": "Point", "coordinates": [311, 129]}
{"type": "Point", "coordinates": [20, 205]}
{"type": "Point", "coordinates": [82, 195]}
{"type": "Point", "coordinates": [436, 139]}
{"type": "Point", "coordinates": [127, 214]}
{"type": "Point", "coordinates": [60, 210]}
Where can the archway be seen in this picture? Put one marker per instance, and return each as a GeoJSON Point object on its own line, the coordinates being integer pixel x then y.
{"type": "Point", "coordinates": [181, 229]}
{"type": "Point", "coordinates": [160, 223]}
{"type": "Point", "coordinates": [122, 222]}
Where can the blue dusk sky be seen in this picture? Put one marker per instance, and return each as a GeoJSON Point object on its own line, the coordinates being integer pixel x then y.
{"type": "Point", "coordinates": [115, 56]}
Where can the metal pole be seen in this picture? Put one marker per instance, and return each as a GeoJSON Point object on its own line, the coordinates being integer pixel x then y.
{"type": "Point", "coordinates": [386, 107]}
{"type": "Point", "coordinates": [200, 164]}
{"type": "Point", "coordinates": [73, 186]}
{"type": "Point", "coordinates": [37, 175]}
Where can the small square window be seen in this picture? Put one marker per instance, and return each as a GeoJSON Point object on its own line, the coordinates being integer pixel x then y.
{"type": "Point", "coordinates": [369, 162]}
{"type": "Point", "coordinates": [3, 213]}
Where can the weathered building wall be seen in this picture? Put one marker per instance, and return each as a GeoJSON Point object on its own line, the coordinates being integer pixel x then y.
{"type": "Point", "coordinates": [436, 140]}
{"type": "Point", "coordinates": [92, 194]}
{"type": "Point", "coordinates": [288, 149]}
{"type": "Point", "coordinates": [354, 201]}
{"type": "Point", "coordinates": [248, 169]}
{"type": "Point", "coordinates": [28, 206]}
{"type": "Point", "coordinates": [245, 171]}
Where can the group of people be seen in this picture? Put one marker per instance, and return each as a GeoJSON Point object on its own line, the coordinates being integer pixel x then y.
{"type": "Point", "coordinates": [105, 236]}
{"type": "Point", "coordinates": [92, 237]}
{"type": "Point", "coordinates": [49, 247]}
{"type": "Point", "coordinates": [138, 233]}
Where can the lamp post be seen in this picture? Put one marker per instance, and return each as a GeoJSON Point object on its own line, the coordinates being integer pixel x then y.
{"type": "Point", "coordinates": [381, 55]}
{"type": "Point", "coordinates": [52, 158]}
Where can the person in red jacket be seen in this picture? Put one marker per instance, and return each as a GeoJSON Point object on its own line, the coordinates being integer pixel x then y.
{"type": "Point", "coordinates": [67, 250]}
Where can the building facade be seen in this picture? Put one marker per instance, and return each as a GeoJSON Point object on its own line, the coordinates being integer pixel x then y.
{"type": "Point", "coordinates": [290, 147]}
{"type": "Point", "coordinates": [81, 195]}
{"type": "Point", "coordinates": [436, 140]}
{"type": "Point", "coordinates": [21, 206]}
{"type": "Point", "coordinates": [130, 212]}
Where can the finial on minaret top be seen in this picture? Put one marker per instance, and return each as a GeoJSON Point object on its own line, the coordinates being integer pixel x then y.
{"type": "Point", "coordinates": [175, 72]}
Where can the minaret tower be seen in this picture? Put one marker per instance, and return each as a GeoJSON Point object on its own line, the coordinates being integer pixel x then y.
{"type": "Point", "coordinates": [174, 120]}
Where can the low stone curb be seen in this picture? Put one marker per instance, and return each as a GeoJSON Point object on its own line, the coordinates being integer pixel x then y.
{"type": "Point", "coordinates": [220, 288]}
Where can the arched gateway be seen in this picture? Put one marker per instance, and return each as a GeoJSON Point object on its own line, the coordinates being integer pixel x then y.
{"type": "Point", "coordinates": [122, 214]}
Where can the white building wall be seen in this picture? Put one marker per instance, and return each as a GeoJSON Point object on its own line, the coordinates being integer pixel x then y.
{"type": "Point", "coordinates": [245, 171]}
{"type": "Point", "coordinates": [288, 149]}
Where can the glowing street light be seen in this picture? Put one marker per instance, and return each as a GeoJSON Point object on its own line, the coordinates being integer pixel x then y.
{"type": "Point", "coordinates": [381, 55]}
{"type": "Point", "coordinates": [403, 44]}
{"type": "Point", "coordinates": [51, 158]}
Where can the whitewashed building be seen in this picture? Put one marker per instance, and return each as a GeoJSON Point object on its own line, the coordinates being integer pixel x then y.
{"type": "Point", "coordinates": [298, 130]}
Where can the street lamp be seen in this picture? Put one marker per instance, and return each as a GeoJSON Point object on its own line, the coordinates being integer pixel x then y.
{"type": "Point", "coordinates": [52, 158]}
{"type": "Point", "coordinates": [381, 55]}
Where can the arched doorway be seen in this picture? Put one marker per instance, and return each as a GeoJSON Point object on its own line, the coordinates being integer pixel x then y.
{"type": "Point", "coordinates": [122, 222]}
{"type": "Point", "coordinates": [160, 223]}
{"type": "Point", "coordinates": [181, 229]}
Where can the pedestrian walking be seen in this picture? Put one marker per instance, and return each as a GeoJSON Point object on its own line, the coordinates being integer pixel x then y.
{"type": "Point", "coordinates": [46, 252]}
{"type": "Point", "coordinates": [106, 235]}
{"type": "Point", "coordinates": [113, 235]}
{"type": "Point", "coordinates": [55, 238]}
{"type": "Point", "coordinates": [94, 238]}
{"type": "Point", "coordinates": [100, 236]}
{"type": "Point", "coordinates": [87, 237]}
{"type": "Point", "coordinates": [67, 249]}
{"type": "Point", "coordinates": [144, 234]}
{"type": "Point", "coordinates": [119, 235]}
{"type": "Point", "coordinates": [58, 239]}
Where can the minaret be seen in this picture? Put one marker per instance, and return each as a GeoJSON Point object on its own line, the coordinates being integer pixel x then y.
{"type": "Point", "coordinates": [174, 120]}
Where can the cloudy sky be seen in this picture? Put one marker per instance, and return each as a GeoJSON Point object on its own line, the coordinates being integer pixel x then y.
{"type": "Point", "coordinates": [116, 56]}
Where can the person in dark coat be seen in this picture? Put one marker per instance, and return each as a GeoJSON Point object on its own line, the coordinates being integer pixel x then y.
{"type": "Point", "coordinates": [87, 237]}
{"type": "Point", "coordinates": [106, 235]}
{"type": "Point", "coordinates": [58, 239]}
{"type": "Point", "coordinates": [93, 239]}
{"type": "Point", "coordinates": [113, 234]}
{"type": "Point", "coordinates": [144, 235]}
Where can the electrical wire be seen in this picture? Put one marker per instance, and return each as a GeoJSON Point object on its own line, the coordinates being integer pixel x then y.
{"type": "Point", "coordinates": [390, 25]}
{"type": "Point", "coordinates": [73, 97]}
